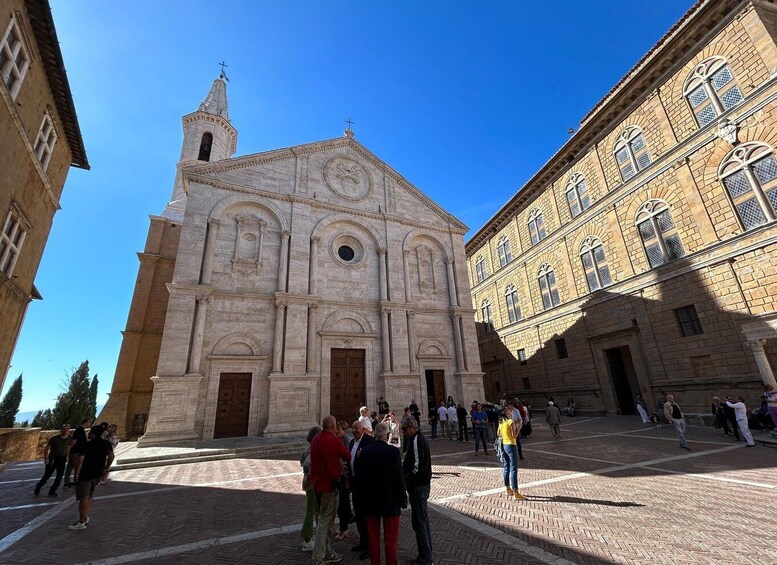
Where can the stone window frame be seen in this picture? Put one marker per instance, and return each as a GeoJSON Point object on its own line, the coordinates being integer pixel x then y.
{"type": "Point", "coordinates": [577, 199]}
{"type": "Point", "coordinates": [480, 268]}
{"type": "Point", "coordinates": [631, 153]}
{"type": "Point", "coordinates": [485, 316]}
{"type": "Point", "coordinates": [704, 92]}
{"type": "Point", "coordinates": [248, 226]}
{"type": "Point", "coordinates": [45, 140]}
{"type": "Point", "coordinates": [206, 146]}
{"type": "Point", "coordinates": [14, 59]}
{"type": "Point", "coordinates": [749, 175]}
{"type": "Point", "coordinates": [596, 268]}
{"type": "Point", "coordinates": [536, 225]}
{"type": "Point", "coordinates": [512, 303]}
{"type": "Point", "coordinates": [546, 278]}
{"type": "Point", "coordinates": [657, 230]}
{"type": "Point", "coordinates": [689, 322]}
{"type": "Point", "coordinates": [522, 357]}
{"type": "Point", "coordinates": [12, 238]}
{"type": "Point", "coordinates": [503, 250]}
{"type": "Point", "coordinates": [561, 348]}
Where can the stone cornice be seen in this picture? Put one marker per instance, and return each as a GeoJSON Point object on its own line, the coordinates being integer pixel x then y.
{"type": "Point", "coordinates": [620, 192]}
{"type": "Point", "coordinates": [318, 204]}
{"type": "Point", "coordinates": [247, 161]}
{"type": "Point", "coordinates": [348, 335]}
{"type": "Point", "coordinates": [14, 288]}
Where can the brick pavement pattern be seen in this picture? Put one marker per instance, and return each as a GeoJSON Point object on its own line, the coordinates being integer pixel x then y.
{"type": "Point", "coordinates": [613, 491]}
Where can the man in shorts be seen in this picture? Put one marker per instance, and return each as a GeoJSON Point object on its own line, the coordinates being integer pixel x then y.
{"type": "Point", "coordinates": [92, 464]}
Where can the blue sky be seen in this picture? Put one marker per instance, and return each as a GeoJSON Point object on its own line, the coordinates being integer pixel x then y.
{"type": "Point", "coordinates": [466, 100]}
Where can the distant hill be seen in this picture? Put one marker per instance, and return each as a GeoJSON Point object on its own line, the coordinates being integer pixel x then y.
{"type": "Point", "coordinates": [22, 416]}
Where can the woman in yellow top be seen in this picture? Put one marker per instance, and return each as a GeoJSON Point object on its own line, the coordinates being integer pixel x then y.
{"type": "Point", "coordinates": [508, 431]}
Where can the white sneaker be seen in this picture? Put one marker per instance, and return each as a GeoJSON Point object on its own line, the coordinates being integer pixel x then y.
{"type": "Point", "coordinates": [77, 526]}
{"type": "Point", "coordinates": [307, 545]}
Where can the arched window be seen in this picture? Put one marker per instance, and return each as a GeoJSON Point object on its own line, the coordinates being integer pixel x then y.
{"type": "Point", "coordinates": [631, 153]}
{"type": "Point", "coordinates": [547, 280]}
{"type": "Point", "coordinates": [597, 273]}
{"type": "Point", "coordinates": [658, 232]}
{"type": "Point", "coordinates": [485, 315]}
{"type": "Point", "coordinates": [205, 145]}
{"type": "Point", "coordinates": [577, 194]}
{"type": "Point", "coordinates": [513, 308]}
{"type": "Point", "coordinates": [711, 90]}
{"type": "Point", "coordinates": [749, 173]}
{"type": "Point", "coordinates": [503, 248]}
{"type": "Point", "coordinates": [480, 268]}
{"type": "Point", "coordinates": [536, 226]}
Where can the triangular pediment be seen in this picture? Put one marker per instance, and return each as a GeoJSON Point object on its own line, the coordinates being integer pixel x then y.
{"type": "Point", "coordinates": [340, 172]}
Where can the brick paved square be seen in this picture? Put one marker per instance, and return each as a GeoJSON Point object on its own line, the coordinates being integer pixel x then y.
{"type": "Point", "coordinates": [610, 492]}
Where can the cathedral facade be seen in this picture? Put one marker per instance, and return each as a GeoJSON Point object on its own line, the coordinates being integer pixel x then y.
{"type": "Point", "coordinates": [283, 286]}
{"type": "Point", "coordinates": [642, 258]}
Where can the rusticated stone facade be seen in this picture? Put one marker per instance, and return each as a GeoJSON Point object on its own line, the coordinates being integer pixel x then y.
{"type": "Point", "coordinates": [657, 269]}
{"type": "Point", "coordinates": [283, 286]}
{"type": "Point", "coordinates": [39, 141]}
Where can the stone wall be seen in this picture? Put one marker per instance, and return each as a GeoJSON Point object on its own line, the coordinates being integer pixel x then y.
{"type": "Point", "coordinates": [23, 444]}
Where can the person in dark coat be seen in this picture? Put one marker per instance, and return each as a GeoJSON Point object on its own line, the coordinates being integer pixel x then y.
{"type": "Point", "coordinates": [417, 467]}
{"type": "Point", "coordinates": [359, 488]}
{"type": "Point", "coordinates": [380, 465]}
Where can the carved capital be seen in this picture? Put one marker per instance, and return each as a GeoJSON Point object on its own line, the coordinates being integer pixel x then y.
{"type": "Point", "coordinates": [281, 302]}
{"type": "Point", "coordinates": [315, 240]}
{"type": "Point", "coordinates": [382, 250]}
{"type": "Point", "coordinates": [203, 298]}
{"type": "Point", "coordinates": [286, 234]}
{"type": "Point", "coordinates": [384, 312]}
{"type": "Point", "coordinates": [213, 223]}
{"type": "Point", "coordinates": [411, 314]}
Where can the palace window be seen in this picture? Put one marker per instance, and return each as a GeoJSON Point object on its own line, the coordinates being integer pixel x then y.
{"type": "Point", "coordinates": [14, 60]}
{"type": "Point", "coordinates": [711, 90]}
{"type": "Point", "coordinates": [597, 273]}
{"type": "Point", "coordinates": [480, 268]}
{"type": "Point", "coordinates": [485, 316]}
{"type": "Point", "coordinates": [11, 241]}
{"type": "Point", "coordinates": [522, 358]}
{"type": "Point", "coordinates": [689, 321]}
{"type": "Point", "coordinates": [536, 226]}
{"type": "Point", "coordinates": [658, 232]}
{"type": "Point", "coordinates": [577, 195]}
{"type": "Point", "coordinates": [547, 280]}
{"type": "Point", "coordinates": [44, 143]}
{"type": "Point", "coordinates": [205, 146]}
{"type": "Point", "coordinates": [561, 348]}
{"type": "Point", "coordinates": [513, 308]}
{"type": "Point", "coordinates": [503, 248]}
{"type": "Point", "coordinates": [631, 152]}
{"type": "Point", "coordinates": [749, 174]}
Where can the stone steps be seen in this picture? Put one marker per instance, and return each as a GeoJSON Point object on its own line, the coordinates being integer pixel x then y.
{"type": "Point", "coordinates": [769, 440]}
{"type": "Point", "coordinates": [133, 457]}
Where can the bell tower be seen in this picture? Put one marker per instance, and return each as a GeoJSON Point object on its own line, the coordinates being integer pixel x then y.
{"type": "Point", "coordinates": [208, 136]}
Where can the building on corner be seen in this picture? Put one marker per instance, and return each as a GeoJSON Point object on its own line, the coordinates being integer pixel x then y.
{"type": "Point", "coordinates": [40, 141]}
{"type": "Point", "coordinates": [642, 258]}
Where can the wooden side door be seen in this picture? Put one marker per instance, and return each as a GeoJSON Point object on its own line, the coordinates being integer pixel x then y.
{"type": "Point", "coordinates": [439, 387]}
{"type": "Point", "coordinates": [347, 383]}
{"type": "Point", "coordinates": [233, 405]}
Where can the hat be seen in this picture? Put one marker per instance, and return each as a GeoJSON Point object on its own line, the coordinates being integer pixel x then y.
{"type": "Point", "coordinates": [550, 403]}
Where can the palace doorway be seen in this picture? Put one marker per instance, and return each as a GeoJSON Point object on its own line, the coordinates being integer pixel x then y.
{"type": "Point", "coordinates": [624, 378]}
{"type": "Point", "coordinates": [347, 385]}
{"type": "Point", "coordinates": [234, 401]}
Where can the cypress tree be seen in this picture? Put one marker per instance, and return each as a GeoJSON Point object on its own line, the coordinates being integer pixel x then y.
{"type": "Point", "coordinates": [9, 407]}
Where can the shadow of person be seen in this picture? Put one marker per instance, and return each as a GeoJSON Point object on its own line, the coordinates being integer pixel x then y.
{"type": "Point", "coordinates": [575, 500]}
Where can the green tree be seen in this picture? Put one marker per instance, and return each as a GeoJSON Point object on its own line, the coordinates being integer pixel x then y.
{"type": "Point", "coordinates": [9, 406]}
{"type": "Point", "coordinates": [75, 404]}
{"type": "Point", "coordinates": [93, 394]}
{"type": "Point", "coordinates": [43, 419]}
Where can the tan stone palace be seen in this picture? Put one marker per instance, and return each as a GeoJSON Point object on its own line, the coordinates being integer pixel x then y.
{"type": "Point", "coordinates": [642, 258]}
{"type": "Point", "coordinates": [40, 140]}
{"type": "Point", "coordinates": [279, 287]}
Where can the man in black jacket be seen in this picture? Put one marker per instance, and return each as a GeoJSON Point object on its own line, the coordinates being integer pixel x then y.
{"type": "Point", "coordinates": [380, 465]}
{"type": "Point", "coordinates": [359, 443]}
{"type": "Point", "coordinates": [418, 478]}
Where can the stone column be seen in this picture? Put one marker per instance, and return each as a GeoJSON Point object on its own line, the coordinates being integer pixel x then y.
{"type": "Point", "coordinates": [210, 246]}
{"type": "Point", "coordinates": [280, 306]}
{"type": "Point", "coordinates": [406, 269]}
{"type": "Point", "coordinates": [459, 344]}
{"type": "Point", "coordinates": [384, 323]}
{"type": "Point", "coordinates": [313, 281]}
{"type": "Point", "coordinates": [199, 333]}
{"type": "Point", "coordinates": [767, 374]}
{"type": "Point", "coordinates": [284, 260]}
{"type": "Point", "coordinates": [411, 340]}
{"type": "Point", "coordinates": [451, 283]}
{"type": "Point", "coordinates": [382, 265]}
{"type": "Point", "coordinates": [310, 366]}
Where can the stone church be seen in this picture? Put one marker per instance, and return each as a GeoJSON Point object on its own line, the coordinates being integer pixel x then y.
{"type": "Point", "coordinates": [279, 287]}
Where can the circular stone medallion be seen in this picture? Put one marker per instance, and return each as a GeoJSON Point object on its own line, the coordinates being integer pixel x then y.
{"type": "Point", "coordinates": [347, 178]}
